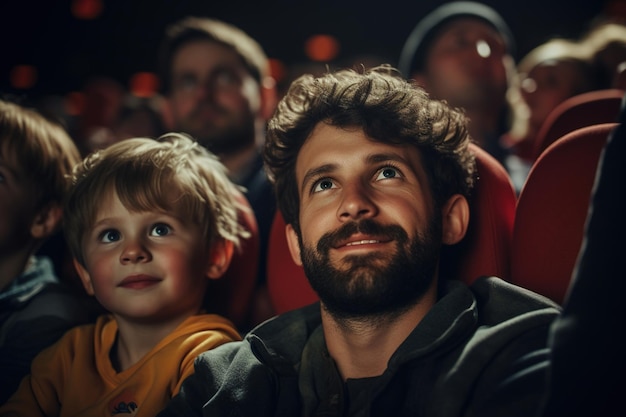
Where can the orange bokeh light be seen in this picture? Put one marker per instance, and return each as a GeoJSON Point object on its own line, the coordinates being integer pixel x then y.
{"type": "Point", "coordinates": [23, 77]}
{"type": "Point", "coordinates": [321, 48]}
{"type": "Point", "coordinates": [86, 9]}
{"type": "Point", "coordinates": [277, 69]}
{"type": "Point", "coordinates": [74, 103]}
{"type": "Point", "coordinates": [144, 84]}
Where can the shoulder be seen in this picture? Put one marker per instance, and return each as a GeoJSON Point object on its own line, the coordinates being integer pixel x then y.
{"type": "Point", "coordinates": [276, 343]}
{"type": "Point", "coordinates": [76, 340]}
{"type": "Point", "coordinates": [59, 300]}
{"type": "Point", "coordinates": [508, 315]}
{"type": "Point", "coordinates": [498, 300]}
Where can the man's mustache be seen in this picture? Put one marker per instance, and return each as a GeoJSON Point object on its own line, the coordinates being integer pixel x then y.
{"type": "Point", "coordinates": [208, 106]}
{"type": "Point", "coordinates": [366, 226]}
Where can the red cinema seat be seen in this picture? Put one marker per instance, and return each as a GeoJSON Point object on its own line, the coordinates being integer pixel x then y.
{"type": "Point", "coordinates": [587, 109]}
{"type": "Point", "coordinates": [231, 295]}
{"type": "Point", "coordinates": [552, 210]}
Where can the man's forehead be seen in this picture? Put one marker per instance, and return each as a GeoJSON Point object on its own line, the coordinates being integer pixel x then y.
{"type": "Point", "coordinates": [332, 147]}
{"type": "Point", "coordinates": [467, 24]}
{"type": "Point", "coordinates": [203, 53]}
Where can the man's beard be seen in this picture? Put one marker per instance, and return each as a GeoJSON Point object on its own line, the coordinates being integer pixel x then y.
{"type": "Point", "coordinates": [369, 286]}
{"type": "Point", "coordinates": [224, 140]}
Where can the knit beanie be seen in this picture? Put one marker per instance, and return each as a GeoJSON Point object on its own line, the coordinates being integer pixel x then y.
{"type": "Point", "coordinates": [415, 49]}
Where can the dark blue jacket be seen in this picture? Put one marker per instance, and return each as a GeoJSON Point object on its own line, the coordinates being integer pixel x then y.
{"type": "Point", "coordinates": [480, 351]}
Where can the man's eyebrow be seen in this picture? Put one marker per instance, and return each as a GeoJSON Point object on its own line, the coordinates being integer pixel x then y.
{"type": "Point", "coordinates": [382, 157]}
{"type": "Point", "coordinates": [316, 172]}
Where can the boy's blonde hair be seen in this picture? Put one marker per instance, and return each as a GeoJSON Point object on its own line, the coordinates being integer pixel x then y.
{"type": "Point", "coordinates": [42, 149]}
{"type": "Point", "coordinates": [172, 173]}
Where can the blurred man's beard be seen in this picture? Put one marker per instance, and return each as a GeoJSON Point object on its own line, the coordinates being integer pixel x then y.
{"type": "Point", "coordinates": [222, 140]}
{"type": "Point", "coordinates": [375, 284]}
{"type": "Point", "coordinates": [480, 96]}
{"type": "Point", "coordinates": [228, 140]}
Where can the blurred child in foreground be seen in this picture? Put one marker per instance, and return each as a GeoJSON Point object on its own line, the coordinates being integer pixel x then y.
{"type": "Point", "coordinates": [36, 307]}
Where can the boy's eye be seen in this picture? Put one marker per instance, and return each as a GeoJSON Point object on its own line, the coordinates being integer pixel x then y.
{"type": "Point", "coordinates": [160, 229]}
{"type": "Point", "coordinates": [109, 236]}
{"type": "Point", "coordinates": [388, 172]}
{"type": "Point", "coordinates": [323, 184]}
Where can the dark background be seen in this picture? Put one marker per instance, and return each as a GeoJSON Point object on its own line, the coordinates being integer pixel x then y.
{"type": "Point", "coordinates": [125, 37]}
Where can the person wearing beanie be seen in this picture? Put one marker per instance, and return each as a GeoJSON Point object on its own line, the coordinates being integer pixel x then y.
{"type": "Point", "coordinates": [463, 52]}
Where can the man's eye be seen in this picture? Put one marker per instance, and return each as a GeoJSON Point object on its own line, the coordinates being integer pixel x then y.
{"type": "Point", "coordinates": [225, 80]}
{"type": "Point", "coordinates": [160, 229]}
{"type": "Point", "coordinates": [109, 236]}
{"type": "Point", "coordinates": [323, 184]}
{"type": "Point", "coordinates": [388, 172]}
{"type": "Point", "coordinates": [187, 83]}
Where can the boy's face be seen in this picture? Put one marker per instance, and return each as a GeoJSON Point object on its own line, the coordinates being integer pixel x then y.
{"type": "Point", "coordinates": [18, 203]}
{"type": "Point", "coordinates": [147, 266]}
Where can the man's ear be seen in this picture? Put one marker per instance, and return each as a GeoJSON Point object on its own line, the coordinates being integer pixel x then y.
{"type": "Point", "coordinates": [46, 221]}
{"type": "Point", "coordinates": [455, 216]}
{"type": "Point", "coordinates": [167, 114]}
{"type": "Point", "coordinates": [269, 97]}
{"type": "Point", "coordinates": [221, 253]}
{"type": "Point", "coordinates": [84, 276]}
{"type": "Point", "coordinates": [294, 244]}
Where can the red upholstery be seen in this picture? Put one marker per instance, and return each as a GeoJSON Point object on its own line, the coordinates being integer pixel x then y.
{"type": "Point", "coordinates": [484, 251]}
{"type": "Point", "coordinates": [286, 283]}
{"type": "Point", "coordinates": [551, 212]}
{"type": "Point", "coordinates": [231, 295]}
{"type": "Point", "coordinates": [594, 107]}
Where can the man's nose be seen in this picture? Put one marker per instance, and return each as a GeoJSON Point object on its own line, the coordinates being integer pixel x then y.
{"type": "Point", "coordinates": [356, 203]}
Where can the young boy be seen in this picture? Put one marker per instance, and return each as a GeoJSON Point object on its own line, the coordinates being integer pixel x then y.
{"type": "Point", "coordinates": [149, 223]}
{"type": "Point", "coordinates": [36, 308]}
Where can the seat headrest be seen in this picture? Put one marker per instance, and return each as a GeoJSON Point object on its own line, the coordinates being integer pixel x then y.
{"type": "Point", "coordinates": [591, 108]}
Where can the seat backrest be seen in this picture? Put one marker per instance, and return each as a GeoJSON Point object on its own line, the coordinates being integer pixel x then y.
{"type": "Point", "coordinates": [231, 295]}
{"type": "Point", "coordinates": [591, 108]}
{"type": "Point", "coordinates": [552, 209]}
{"type": "Point", "coordinates": [485, 250]}
{"type": "Point", "coordinates": [287, 285]}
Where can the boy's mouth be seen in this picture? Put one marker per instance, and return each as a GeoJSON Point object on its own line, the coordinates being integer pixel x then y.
{"type": "Point", "coordinates": [137, 282]}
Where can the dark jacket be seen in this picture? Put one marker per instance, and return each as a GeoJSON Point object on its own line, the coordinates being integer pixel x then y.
{"type": "Point", "coordinates": [480, 351]}
{"type": "Point", "coordinates": [35, 311]}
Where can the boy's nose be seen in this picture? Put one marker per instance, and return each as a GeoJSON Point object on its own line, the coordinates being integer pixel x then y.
{"type": "Point", "coordinates": [135, 252]}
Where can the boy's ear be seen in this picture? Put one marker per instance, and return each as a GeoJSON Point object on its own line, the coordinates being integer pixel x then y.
{"type": "Point", "coordinates": [294, 244]}
{"type": "Point", "coordinates": [46, 221]}
{"type": "Point", "coordinates": [220, 256]}
{"type": "Point", "coordinates": [84, 277]}
{"type": "Point", "coordinates": [455, 218]}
